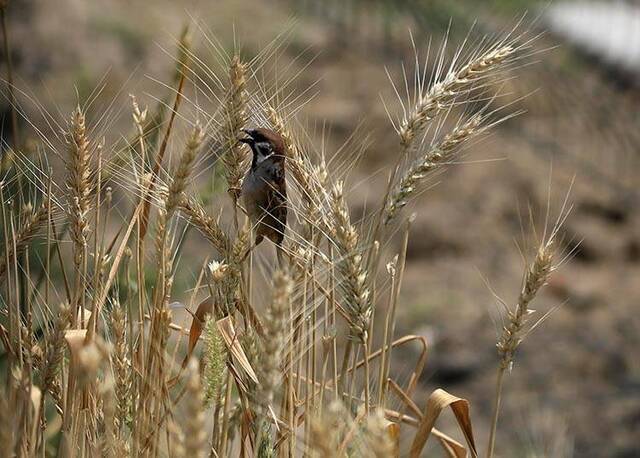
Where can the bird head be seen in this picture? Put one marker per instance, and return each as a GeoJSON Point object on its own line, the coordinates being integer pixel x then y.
{"type": "Point", "coordinates": [265, 144]}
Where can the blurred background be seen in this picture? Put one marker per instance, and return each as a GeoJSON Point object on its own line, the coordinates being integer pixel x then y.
{"type": "Point", "coordinates": [575, 387]}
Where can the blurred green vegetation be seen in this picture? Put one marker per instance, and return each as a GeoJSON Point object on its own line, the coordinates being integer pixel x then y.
{"type": "Point", "coordinates": [131, 38]}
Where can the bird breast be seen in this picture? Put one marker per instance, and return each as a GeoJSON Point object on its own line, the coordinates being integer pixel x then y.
{"type": "Point", "coordinates": [259, 185]}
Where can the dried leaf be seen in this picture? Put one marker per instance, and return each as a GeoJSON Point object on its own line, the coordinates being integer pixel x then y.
{"type": "Point", "coordinates": [197, 324]}
{"type": "Point", "coordinates": [436, 403]}
{"type": "Point", "coordinates": [195, 331]}
{"type": "Point", "coordinates": [452, 447]}
{"type": "Point", "coordinates": [230, 337]}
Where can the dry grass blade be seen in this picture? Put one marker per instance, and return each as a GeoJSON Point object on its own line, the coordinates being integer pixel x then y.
{"type": "Point", "coordinates": [204, 309]}
{"type": "Point", "coordinates": [452, 447]}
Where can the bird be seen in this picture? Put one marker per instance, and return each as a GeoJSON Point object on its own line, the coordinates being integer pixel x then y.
{"type": "Point", "coordinates": [264, 188]}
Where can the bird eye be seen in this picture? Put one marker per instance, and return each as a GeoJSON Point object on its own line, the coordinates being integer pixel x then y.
{"type": "Point", "coordinates": [263, 148]}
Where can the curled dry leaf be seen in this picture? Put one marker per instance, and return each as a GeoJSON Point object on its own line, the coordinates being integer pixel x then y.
{"type": "Point", "coordinates": [436, 403]}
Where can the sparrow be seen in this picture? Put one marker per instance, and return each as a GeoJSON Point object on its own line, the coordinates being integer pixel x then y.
{"type": "Point", "coordinates": [264, 188]}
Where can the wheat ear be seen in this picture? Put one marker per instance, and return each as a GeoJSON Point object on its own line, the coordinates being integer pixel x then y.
{"type": "Point", "coordinates": [354, 276]}
{"type": "Point", "coordinates": [206, 224]}
{"type": "Point", "coordinates": [438, 155]}
{"type": "Point", "coordinates": [235, 119]}
{"type": "Point", "coordinates": [32, 224]}
{"type": "Point", "coordinates": [443, 93]}
{"type": "Point", "coordinates": [535, 277]}
{"type": "Point", "coordinates": [180, 180]}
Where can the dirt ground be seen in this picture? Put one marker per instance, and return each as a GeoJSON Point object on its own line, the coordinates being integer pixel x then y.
{"type": "Point", "coordinates": [575, 386]}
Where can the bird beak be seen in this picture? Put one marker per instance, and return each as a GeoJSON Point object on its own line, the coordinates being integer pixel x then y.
{"type": "Point", "coordinates": [248, 140]}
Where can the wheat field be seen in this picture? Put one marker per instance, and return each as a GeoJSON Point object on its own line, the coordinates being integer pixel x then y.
{"type": "Point", "coordinates": [290, 358]}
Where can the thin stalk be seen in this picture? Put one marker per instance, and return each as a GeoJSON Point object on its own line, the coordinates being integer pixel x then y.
{"type": "Point", "coordinates": [10, 351]}
{"type": "Point", "coordinates": [325, 350]}
{"type": "Point", "coordinates": [353, 373]}
{"type": "Point", "coordinates": [392, 312]}
{"type": "Point", "coordinates": [65, 279]}
{"type": "Point", "coordinates": [290, 397]}
{"type": "Point", "coordinates": [225, 417]}
{"type": "Point", "coordinates": [314, 317]}
{"type": "Point", "coordinates": [16, 312]}
{"type": "Point", "coordinates": [332, 299]}
{"type": "Point", "coordinates": [344, 367]}
{"type": "Point", "coordinates": [47, 285]}
{"type": "Point", "coordinates": [306, 326]}
{"type": "Point", "coordinates": [385, 339]}
{"type": "Point", "coordinates": [374, 294]}
{"type": "Point", "coordinates": [367, 393]}
{"type": "Point", "coordinates": [12, 95]}
{"type": "Point", "coordinates": [496, 410]}
{"type": "Point", "coordinates": [144, 218]}
{"type": "Point", "coordinates": [96, 236]}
